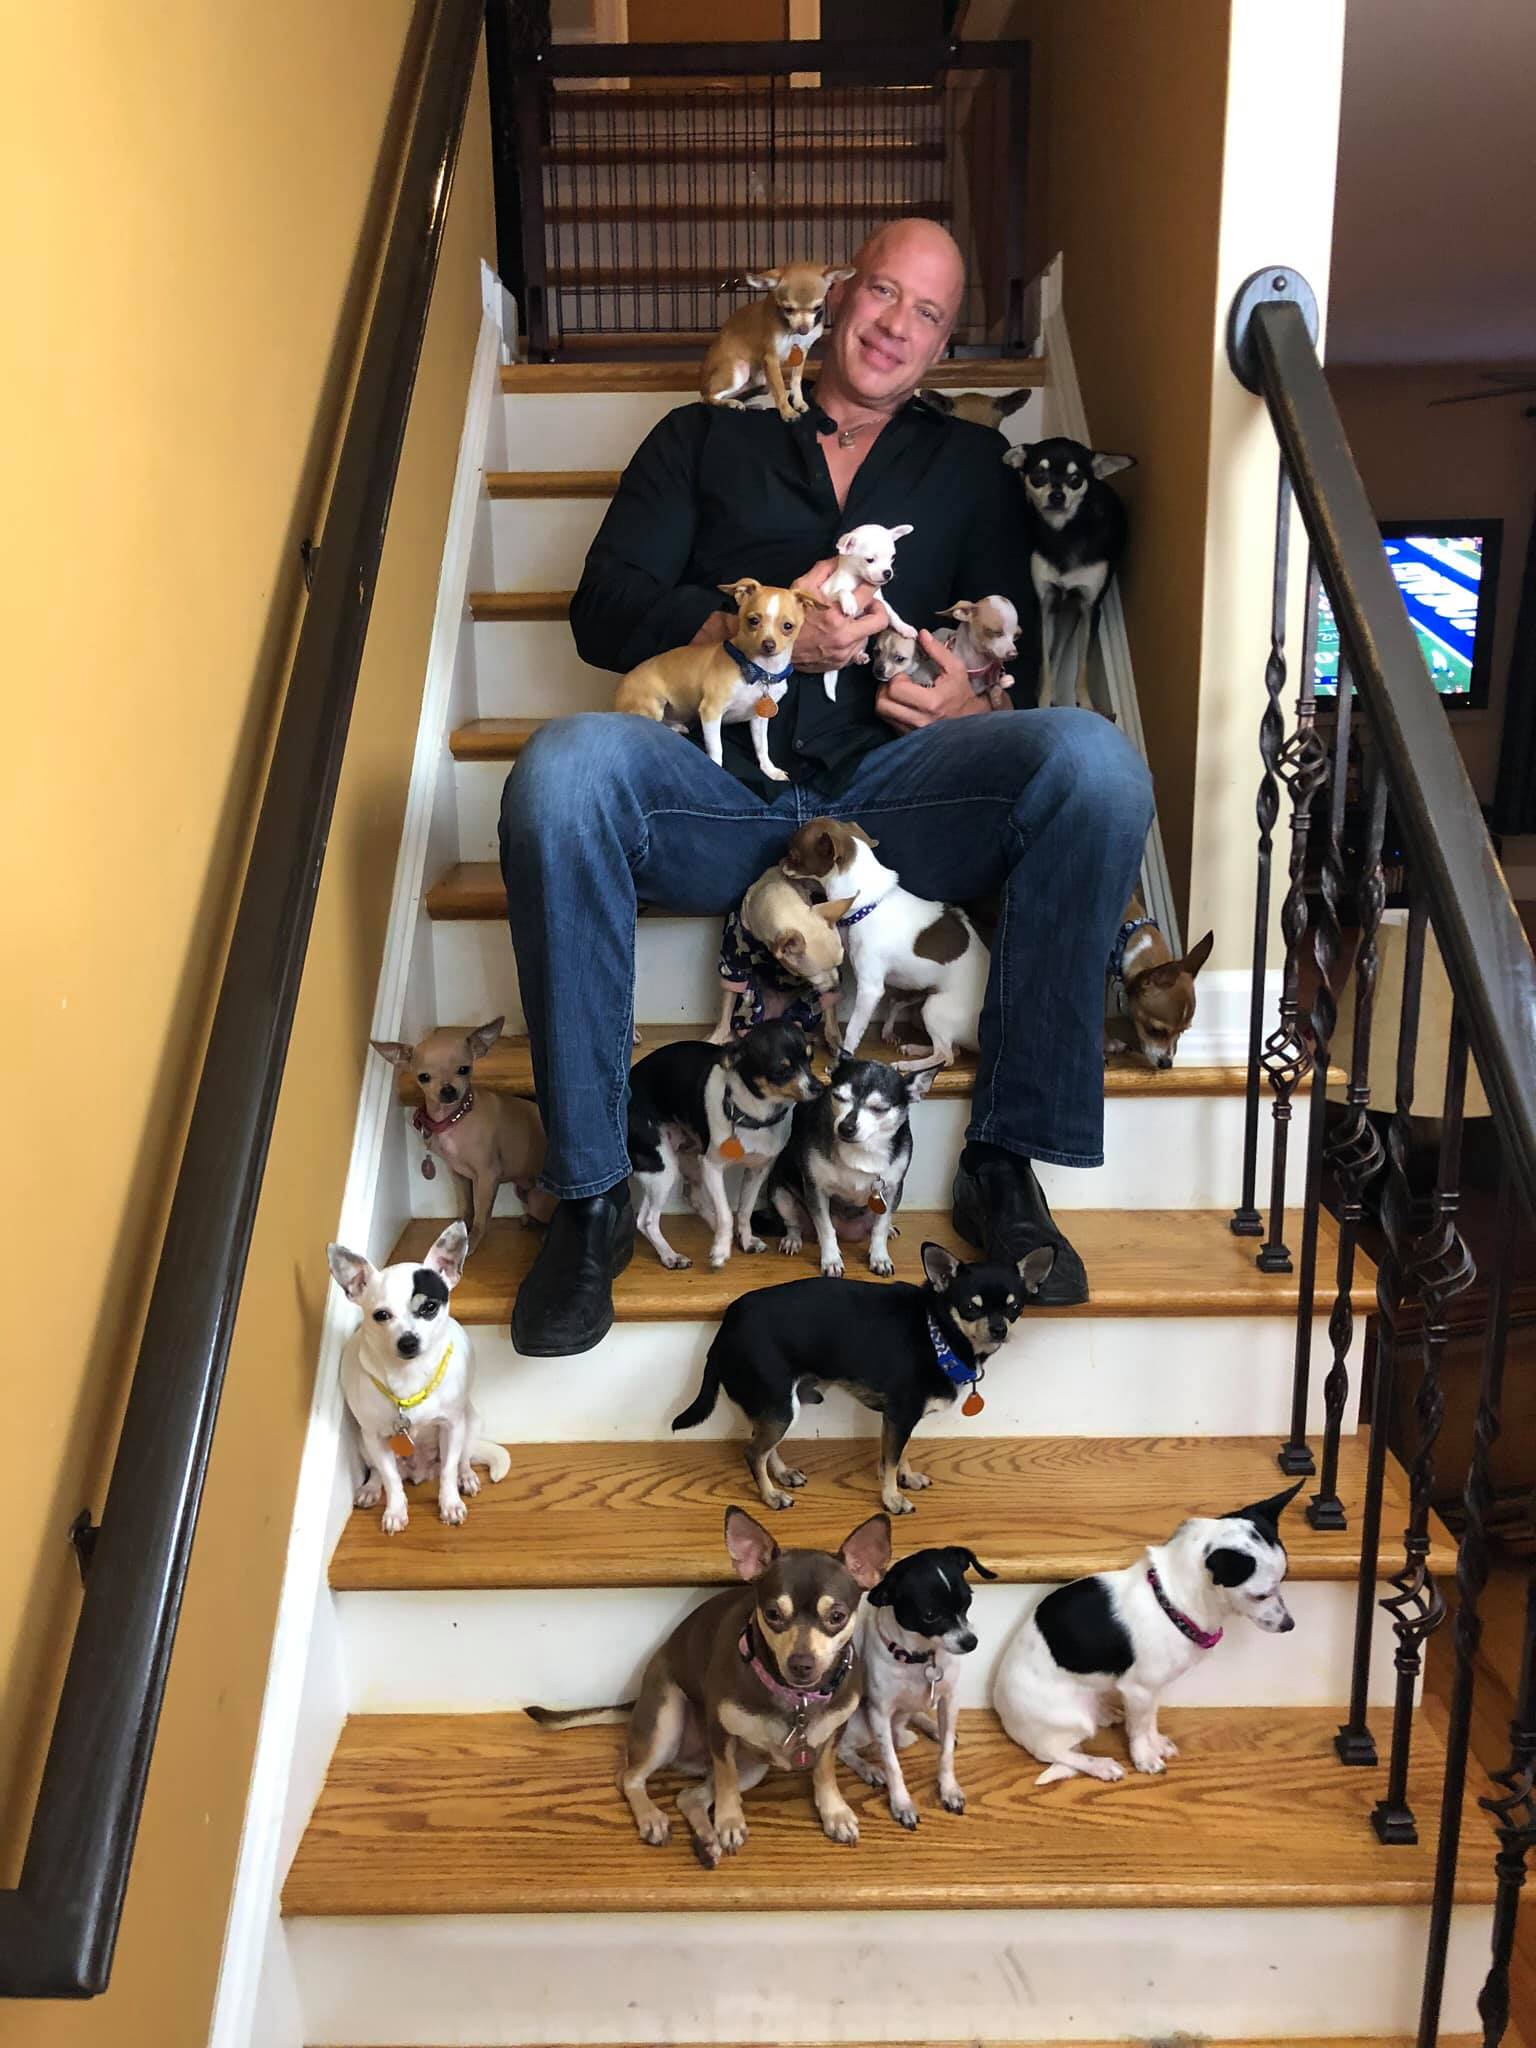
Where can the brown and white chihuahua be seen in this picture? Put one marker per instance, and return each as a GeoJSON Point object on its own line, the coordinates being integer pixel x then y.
{"type": "Point", "coordinates": [482, 1139]}
{"type": "Point", "coordinates": [760, 1677]}
{"type": "Point", "coordinates": [758, 343]}
{"type": "Point", "coordinates": [723, 684]}
{"type": "Point", "coordinates": [1149, 995]}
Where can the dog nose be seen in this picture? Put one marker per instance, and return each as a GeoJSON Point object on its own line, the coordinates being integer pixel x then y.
{"type": "Point", "coordinates": [448, 1093]}
{"type": "Point", "coordinates": [770, 647]}
{"type": "Point", "coordinates": [1164, 1060]}
{"type": "Point", "coordinates": [1287, 1625]}
{"type": "Point", "coordinates": [848, 1128]}
{"type": "Point", "coordinates": [801, 1668]}
{"type": "Point", "coordinates": [997, 1328]}
{"type": "Point", "coordinates": [966, 1644]}
{"type": "Point", "coordinates": [408, 1346]}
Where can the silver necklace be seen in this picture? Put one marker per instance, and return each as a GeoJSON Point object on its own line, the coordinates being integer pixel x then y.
{"type": "Point", "coordinates": [846, 436]}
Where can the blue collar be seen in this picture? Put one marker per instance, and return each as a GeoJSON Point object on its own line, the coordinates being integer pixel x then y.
{"type": "Point", "coordinates": [864, 909]}
{"type": "Point", "coordinates": [753, 671]}
{"type": "Point", "coordinates": [1123, 938]}
{"type": "Point", "coordinates": [953, 1365]}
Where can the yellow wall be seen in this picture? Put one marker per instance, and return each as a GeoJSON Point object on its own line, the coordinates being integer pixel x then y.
{"type": "Point", "coordinates": [189, 230]}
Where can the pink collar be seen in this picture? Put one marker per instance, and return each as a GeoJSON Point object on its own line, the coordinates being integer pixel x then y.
{"type": "Point", "coordinates": [1202, 1638]}
{"type": "Point", "coordinates": [794, 1696]}
{"type": "Point", "coordinates": [434, 1124]}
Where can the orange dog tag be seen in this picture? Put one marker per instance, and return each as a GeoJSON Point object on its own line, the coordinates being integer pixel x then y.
{"type": "Point", "coordinates": [972, 1404]}
{"type": "Point", "coordinates": [733, 1148]}
{"type": "Point", "coordinates": [877, 1203]}
{"type": "Point", "coordinates": [795, 357]}
{"type": "Point", "coordinates": [765, 708]}
{"type": "Point", "coordinates": [401, 1444]}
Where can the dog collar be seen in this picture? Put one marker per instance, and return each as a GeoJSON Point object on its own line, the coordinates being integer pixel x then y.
{"type": "Point", "coordinates": [952, 1363]}
{"type": "Point", "coordinates": [753, 671]}
{"type": "Point", "coordinates": [429, 1126]}
{"type": "Point", "coordinates": [905, 1656]}
{"type": "Point", "coordinates": [403, 1402]}
{"type": "Point", "coordinates": [1123, 938]}
{"type": "Point", "coordinates": [800, 1702]}
{"type": "Point", "coordinates": [744, 1122]}
{"type": "Point", "coordinates": [863, 910]}
{"type": "Point", "coordinates": [1202, 1638]}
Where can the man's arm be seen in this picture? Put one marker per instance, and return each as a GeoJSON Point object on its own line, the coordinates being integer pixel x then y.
{"type": "Point", "coordinates": [632, 601]}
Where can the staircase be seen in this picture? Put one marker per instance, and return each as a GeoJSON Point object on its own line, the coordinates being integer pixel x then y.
{"type": "Point", "coordinates": [465, 1879]}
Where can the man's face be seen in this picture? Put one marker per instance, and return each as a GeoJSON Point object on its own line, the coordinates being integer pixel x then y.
{"type": "Point", "coordinates": [893, 319]}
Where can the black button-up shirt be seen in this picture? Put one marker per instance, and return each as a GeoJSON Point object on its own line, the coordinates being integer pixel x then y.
{"type": "Point", "coordinates": [714, 494]}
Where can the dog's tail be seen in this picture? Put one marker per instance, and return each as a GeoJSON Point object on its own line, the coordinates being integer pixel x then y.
{"type": "Point", "coordinates": [702, 1406]}
{"type": "Point", "coordinates": [1055, 1774]}
{"type": "Point", "coordinates": [492, 1456]}
{"type": "Point", "coordinates": [558, 1719]}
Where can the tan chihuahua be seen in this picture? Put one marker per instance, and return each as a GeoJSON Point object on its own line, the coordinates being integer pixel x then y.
{"type": "Point", "coordinates": [484, 1139]}
{"type": "Point", "coordinates": [780, 956]}
{"type": "Point", "coordinates": [1149, 995]}
{"type": "Point", "coordinates": [981, 408]}
{"type": "Point", "coordinates": [742, 678]}
{"type": "Point", "coordinates": [760, 342]}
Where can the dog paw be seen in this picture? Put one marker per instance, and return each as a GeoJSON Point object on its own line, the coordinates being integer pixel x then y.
{"type": "Point", "coordinates": [469, 1480]}
{"type": "Point", "coordinates": [708, 1853]}
{"type": "Point", "coordinates": [775, 774]}
{"type": "Point", "coordinates": [719, 1259]}
{"type": "Point", "coordinates": [1160, 1746]}
{"type": "Point", "coordinates": [840, 1825]}
{"type": "Point", "coordinates": [952, 1799]}
{"type": "Point", "coordinates": [831, 1269]}
{"type": "Point", "coordinates": [916, 1480]}
{"type": "Point", "coordinates": [656, 1832]}
{"type": "Point", "coordinates": [898, 1506]}
{"type": "Point", "coordinates": [678, 1264]}
{"type": "Point", "coordinates": [1149, 1762]}
{"type": "Point", "coordinates": [881, 1268]}
{"type": "Point", "coordinates": [790, 1477]}
{"type": "Point", "coordinates": [368, 1495]}
{"type": "Point", "coordinates": [1102, 1767]}
{"type": "Point", "coordinates": [393, 1520]}
{"type": "Point", "coordinates": [778, 1500]}
{"type": "Point", "coordinates": [753, 1244]}
{"type": "Point", "coordinates": [453, 1512]}
{"type": "Point", "coordinates": [733, 1835]}
{"type": "Point", "coordinates": [790, 1247]}
{"type": "Point", "coordinates": [906, 1815]}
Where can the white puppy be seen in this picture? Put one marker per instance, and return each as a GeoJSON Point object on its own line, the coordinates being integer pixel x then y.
{"type": "Point", "coordinates": [896, 942]}
{"type": "Point", "coordinates": [867, 555]}
{"type": "Point", "coordinates": [1109, 1646]}
{"type": "Point", "coordinates": [408, 1375]}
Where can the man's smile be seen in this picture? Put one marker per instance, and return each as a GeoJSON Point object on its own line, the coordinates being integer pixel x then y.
{"type": "Point", "coordinates": [880, 353]}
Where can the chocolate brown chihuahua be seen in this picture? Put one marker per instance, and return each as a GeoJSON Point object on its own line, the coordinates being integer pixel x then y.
{"type": "Point", "coordinates": [760, 1677]}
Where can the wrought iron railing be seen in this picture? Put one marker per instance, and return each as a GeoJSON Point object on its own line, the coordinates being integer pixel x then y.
{"type": "Point", "coordinates": [633, 208]}
{"type": "Point", "coordinates": [1388, 707]}
{"type": "Point", "coordinates": [58, 1925]}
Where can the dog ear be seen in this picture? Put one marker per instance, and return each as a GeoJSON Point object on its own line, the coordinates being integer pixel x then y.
{"type": "Point", "coordinates": [939, 400]}
{"type": "Point", "coordinates": [763, 280]}
{"type": "Point", "coordinates": [1265, 1514]}
{"type": "Point", "coordinates": [867, 1552]}
{"type": "Point", "coordinates": [1197, 956]}
{"type": "Point", "coordinates": [1009, 403]}
{"type": "Point", "coordinates": [1016, 456]}
{"type": "Point", "coordinates": [880, 1596]}
{"type": "Point", "coordinates": [395, 1050]}
{"type": "Point", "coordinates": [939, 1265]}
{"type": "Point", "coordinates": [1035, 1267]}
{"type": "Point", "coordinates": [961, 611]}
{"type": "Point", "coordinates": [448, 1254]}
{"type": "Point", "coordinates": [967, 1560]}
{"type": "Point", "coordinates": [831, 912]}
{"type": "Point", "coordinates": [919, 1084]}
{"type": "Point", "coordinates": [1106, 465]}
{"type": "Point", "coordinates": [839, 276]}
{"type": "Point", "coordinates": [813, 598]}
{"type": "Point", "coordinates": [859, 833]}
{"type": "Point", "coordinates": [739, 591]}
{"type": "Point", "coordinates": [788, 946]}
{"type": "Point", "coordinates": [900, 532]}
{"type": "Point", "coordinates": [1230, 1567]}
{"type": "Point", "coordinates": [484, 1036]}
{"type": "Point", "coordinates": [350, 1270]}
{"type": "Point", "coordinates": [751, 1548]}
{"type": "Point", "coordinates": [847, 543]}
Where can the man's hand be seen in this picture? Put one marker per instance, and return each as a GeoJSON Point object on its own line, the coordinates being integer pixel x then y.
{"type": "Point", "coordinates": [828, 639]}
{"type": "Point", "coordinates": [908, 705]}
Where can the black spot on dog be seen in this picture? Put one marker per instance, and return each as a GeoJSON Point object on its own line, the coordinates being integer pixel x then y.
{"type": "Point", "coordinates": [427, 1286]}
{"type": "Point", "coordinates": [1081, 1629]}
{"type": "Point", "coordinates": [1231, 1567]}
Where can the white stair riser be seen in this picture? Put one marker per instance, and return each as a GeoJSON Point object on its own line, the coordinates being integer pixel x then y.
{"type": "Point", "coordinates": [546, 430]}
{"type": "Point", "coordinates": [1074, 1974]}
{"type": "Point", "coordinates": [530, 669]}
{"type": "Point", "coordinates": [541, 543]}
{"type": "Point", "coordinates": [487, 1652]}
{"type": "Point", "coordinates": [675, 979]}
{"type": "Point", "coordinates": [1079, 1375]}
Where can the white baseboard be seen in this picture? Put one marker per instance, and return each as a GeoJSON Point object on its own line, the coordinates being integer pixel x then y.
{"type": "Point", "coordinates": [304, 1705]}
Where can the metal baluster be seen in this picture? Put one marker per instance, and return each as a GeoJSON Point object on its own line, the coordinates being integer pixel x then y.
{"type": "Point", "coordinates": [1355, 1152]}
{"type": "Point", "coordinates": [1515, 1821]}
{"type": "Point", "coordinates": [1295, 1455]}
{"type": "Point", "coordinates": [1471, 1578]}
{"type": "Point", "coordinates": [1354, 1742]}
{"type": "Point", "coordinates": [1246, 1221]}
{"type": "Point", "coordinates": [1442, 1268]}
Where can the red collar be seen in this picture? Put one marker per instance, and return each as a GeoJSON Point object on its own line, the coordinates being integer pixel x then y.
{"type": "Point", "coordinates": [434, 1124]}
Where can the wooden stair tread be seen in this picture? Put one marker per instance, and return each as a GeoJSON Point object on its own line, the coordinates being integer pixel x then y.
{"type": "Point", "coordinates": [1141, 1262]}
{"type": "Point", "coordinates": [450, 1813]}
{"type": "Point", "coordinates": [520, 605]}
{"type": "Point", "coordinates": [507, 1068]}
{"type": "Point", "coordinates": [1036, 1510]}
{"type": "Point", "coordinates": [551, 483]}
{"type": "Point", "coordinates": [492, 739]}
{"type": "Point", "coordinates": [979, 373]}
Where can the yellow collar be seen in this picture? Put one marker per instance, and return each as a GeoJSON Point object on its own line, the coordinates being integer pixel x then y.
{"type": "Point", "coordinates": [415, 1400]}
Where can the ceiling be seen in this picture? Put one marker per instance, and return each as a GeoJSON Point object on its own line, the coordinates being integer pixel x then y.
{"type": "Point", "coordinates": [1434, 252]}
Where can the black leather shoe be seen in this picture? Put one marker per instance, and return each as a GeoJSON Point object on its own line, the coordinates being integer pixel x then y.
{"type": "Point", "coordinates": [999, 1205]}
{"type": "Point", "coordinates": [565, 1304]}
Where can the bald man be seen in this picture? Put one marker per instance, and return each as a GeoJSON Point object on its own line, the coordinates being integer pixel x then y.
{"type": "Point", "coordinates": [603, 811]}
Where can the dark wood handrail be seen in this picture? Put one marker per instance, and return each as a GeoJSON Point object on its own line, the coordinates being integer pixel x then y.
{"type": "Point", "coordinates": [1487, 955]}
{"type": "Point", "coordinates": [59, 1925]}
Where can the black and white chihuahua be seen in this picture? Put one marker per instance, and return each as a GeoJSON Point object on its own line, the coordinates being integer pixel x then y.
{"type": "Point", "coordinates": [1076, 529]}
{"type": "Point", "coordinates": [912, 1629]}
{"type": "Point", "coordinates": [904, 1351]}
{"type": "Point", "coordinates": [843, 1170]}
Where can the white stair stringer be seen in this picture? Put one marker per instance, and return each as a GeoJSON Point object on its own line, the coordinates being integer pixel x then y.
{"type": "Point", "coordinates": [824, 1975]}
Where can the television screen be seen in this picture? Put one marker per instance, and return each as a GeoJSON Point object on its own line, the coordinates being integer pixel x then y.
{"type": "Point", "coordinates": [1447, 571]}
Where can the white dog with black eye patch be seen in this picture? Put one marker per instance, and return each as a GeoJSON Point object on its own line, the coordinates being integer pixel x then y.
{"type": "Point", "coordinates": [1106, 1648]}
{"type": "Point", "coordinates": [408, 1375]}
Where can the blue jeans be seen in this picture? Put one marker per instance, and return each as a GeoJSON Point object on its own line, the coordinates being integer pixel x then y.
{"type": "Point", "coordinates": [603, 811]}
